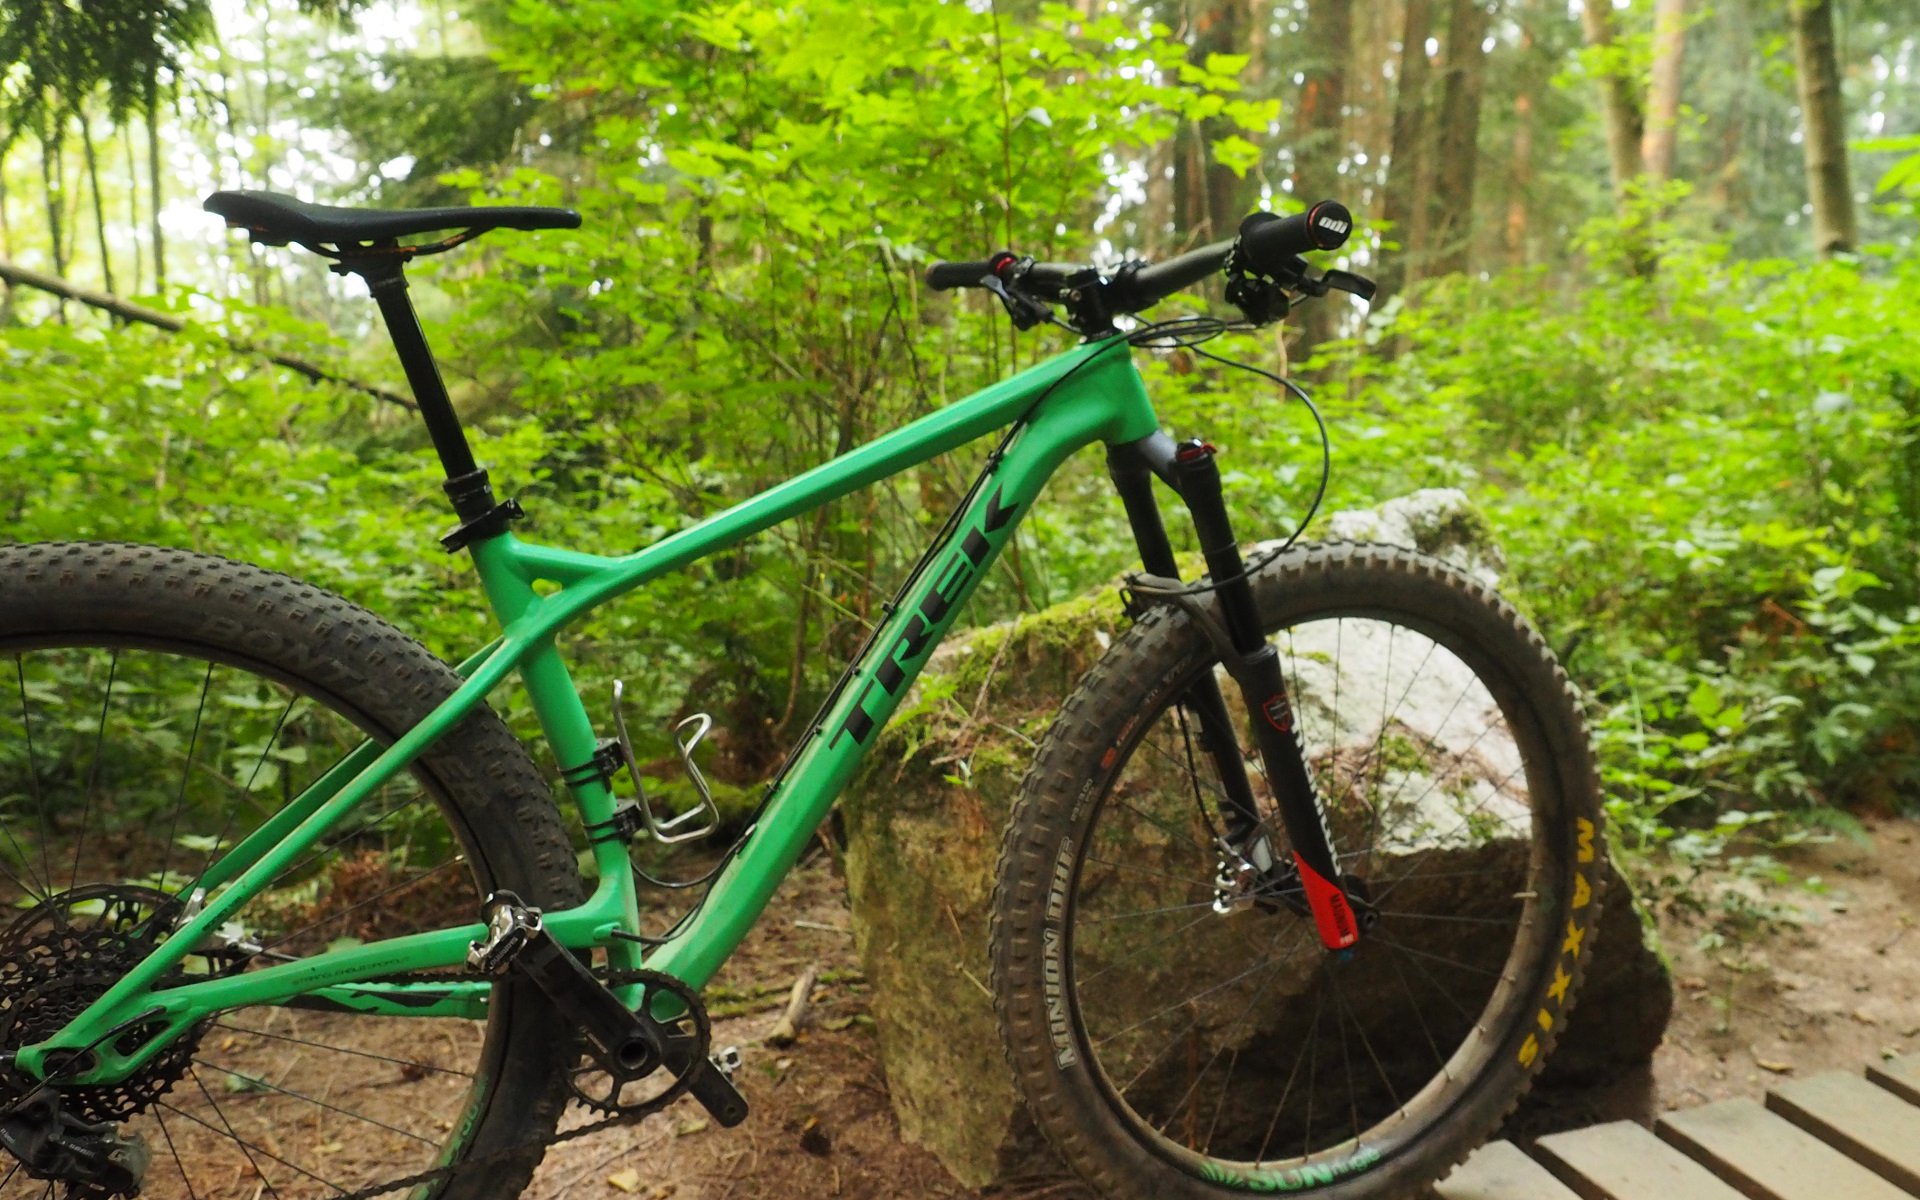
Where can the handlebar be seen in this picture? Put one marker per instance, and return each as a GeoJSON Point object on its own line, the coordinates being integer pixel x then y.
{"type": "Point", "coordinates": [1269, 246]}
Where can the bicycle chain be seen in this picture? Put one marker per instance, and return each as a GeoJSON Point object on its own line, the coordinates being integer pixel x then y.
{"type": "Point", "coordinates": [611, 978]}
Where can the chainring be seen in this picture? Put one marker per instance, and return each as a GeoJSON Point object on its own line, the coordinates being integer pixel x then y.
{"type": "Point", "coordinates": [608, 1092]}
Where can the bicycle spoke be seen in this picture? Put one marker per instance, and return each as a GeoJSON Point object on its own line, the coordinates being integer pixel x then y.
{"type": "Point", "coordinates": [1177, 1005]}
{"type": "Point", "coordinates": [33, 790]}
{"type": "Point", "coordinates": [175, 1151]}
{"type": "Point", "coordinates": [1366, 1044]}
{"type": "Point", "coordinates": [252, 778]}
{"type": "Point", "coordinates": [1414, 916]}
{"type": "Point", "coordinates": [245, 1147]}
{"type": "Point", "coordinates": [256, 1081]}
{"type": "Point", "coordinates": [1307, 1044]}
{"type": "Point", "coordinates": [331, 917]}
{"type": "Point", "coordinates": [1439, 958]}
{"type": "Point", "coordinates": [93, 773]}
{"type": "Point", "coordinates": [186, 774]}
{"type": "Point", "coordinates": [1153, 945]}
{"type": "Point", "coordinates": [1144, 872]}
{"type": "Point", "coordinates": [1259, 993]}
{"type": "Point", "coordinates": [399, 1062]}
{"type": "Point", "coordinates": [1419, 1012]}
{"type": "Point", "coordinates": [1149, 912]}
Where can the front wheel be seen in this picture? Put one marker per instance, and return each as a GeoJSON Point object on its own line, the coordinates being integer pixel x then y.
{"type": "Point", "coordinates": [1172, 1017]}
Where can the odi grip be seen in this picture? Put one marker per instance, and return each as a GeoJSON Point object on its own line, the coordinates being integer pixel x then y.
{"type": "Point", "coordinates": [945, 276]}
{"type": "Point", "coordinates": [1269, 241]}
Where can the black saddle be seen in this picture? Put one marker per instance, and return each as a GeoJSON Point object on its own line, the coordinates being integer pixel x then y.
{"type": "Point", "coordinates": [277, 220]}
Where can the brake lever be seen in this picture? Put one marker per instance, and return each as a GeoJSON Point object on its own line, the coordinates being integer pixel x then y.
{"type": "Point", "coordinates": [1347, 281]}
{"type": "Point", "coordinates": [1024, 309]}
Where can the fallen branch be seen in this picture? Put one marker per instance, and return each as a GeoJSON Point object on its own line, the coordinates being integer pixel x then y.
{"type": "Point", "coordinates": [787, 1028]}
{"type": "Point", "coordinates": [127, 310]}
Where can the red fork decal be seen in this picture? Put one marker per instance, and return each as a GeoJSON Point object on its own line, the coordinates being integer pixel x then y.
{"type": "Point", "coordinates": [1331, 912]}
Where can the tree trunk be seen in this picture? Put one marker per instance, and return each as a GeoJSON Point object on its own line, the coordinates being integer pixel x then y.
{"type": "Point", "coordinates": [99, 207]}
{"type": "Point", "coordinates": [1520, 179]}
{"type": "Point", "coordinates": [1663, 91]}
{"type": "Point", "coordinates": [1406, 177]}
{"type": "Point", "coordinates": [1825, 139]}
{"type": "Point", "coordinates": [133, 208]}
{"type": "Point", "coordinates": [1320, 142]}
{"type": "Point", "coordinates": [1619, 111]}
{"type": "Point", "coordinates": [154, 189]}
{"type": "Point", "coordinates": [1459, 136]}
{"type": "Point", "coordinates": [6, 249]}
{"type": "Point", "coordinates": [1188, 185]}
{"type": "Point", "coordinates": [51, 191]}
{"type": "Point", "coordinates": [1220, 27]}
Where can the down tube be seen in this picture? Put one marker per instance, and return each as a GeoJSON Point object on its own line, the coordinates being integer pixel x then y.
{"type": "Point", "coordinates": [1110, 406]}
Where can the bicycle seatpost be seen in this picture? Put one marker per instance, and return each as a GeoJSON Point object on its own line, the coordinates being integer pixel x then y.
{"type": "Point", "coordinates": [1255, 666]}
{"type": "Point", "coordinates": [468, 486]}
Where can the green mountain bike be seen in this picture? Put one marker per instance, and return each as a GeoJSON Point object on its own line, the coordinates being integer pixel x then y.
{"type": "Point", "coordinates": [1295, 896]}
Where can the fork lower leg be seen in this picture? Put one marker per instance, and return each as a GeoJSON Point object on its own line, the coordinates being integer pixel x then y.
{"type": "Point", "coordinates": [1255, 667]}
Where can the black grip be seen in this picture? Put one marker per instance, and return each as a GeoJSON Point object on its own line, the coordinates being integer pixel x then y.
{"type": "Point", "coordinates": [1268, 241]}
{"type": "Point", "coordinates": [945, 276]}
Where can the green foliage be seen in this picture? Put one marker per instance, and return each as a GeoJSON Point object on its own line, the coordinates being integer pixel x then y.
{"type": "Point", "coordinates": [1709, 488]}
{"type": "Point", "coordinates": [1707, 481]}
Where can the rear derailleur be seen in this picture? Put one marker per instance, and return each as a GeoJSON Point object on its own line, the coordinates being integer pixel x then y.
{"type": "Point", "coordinates": [95, 1161]}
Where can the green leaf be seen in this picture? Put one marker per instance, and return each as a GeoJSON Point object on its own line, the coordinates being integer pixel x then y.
{"type": "Point", "coordinates": [1236, 153]}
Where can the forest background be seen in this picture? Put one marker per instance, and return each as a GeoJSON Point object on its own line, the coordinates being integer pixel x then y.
{"type": "Point", "coordinates": [1648, 274]}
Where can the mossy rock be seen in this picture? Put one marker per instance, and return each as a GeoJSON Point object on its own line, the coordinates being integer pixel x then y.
{"type": "Point", "coordinates": [923, 836]}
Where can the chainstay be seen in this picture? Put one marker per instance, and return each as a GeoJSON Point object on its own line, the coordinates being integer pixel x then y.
{"type": "Point", "coordinates": [612, 978]}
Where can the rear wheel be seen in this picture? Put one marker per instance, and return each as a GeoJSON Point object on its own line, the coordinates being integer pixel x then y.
{"type": "Point", "coordinates": [155, 707]}
{"type": "Point", "coordinates": [1171, 1015]}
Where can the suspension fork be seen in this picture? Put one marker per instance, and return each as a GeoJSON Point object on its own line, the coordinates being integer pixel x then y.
{"type": "Point", "coordinates": [1252, 664]}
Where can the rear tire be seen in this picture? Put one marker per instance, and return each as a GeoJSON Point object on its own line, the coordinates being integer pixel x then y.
{"type": "Point", "coordinates": [155, 704]}
{"type": "Point", "coordinates": [1172, 1019]}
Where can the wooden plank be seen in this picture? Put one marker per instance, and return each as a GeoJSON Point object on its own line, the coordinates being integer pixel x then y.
{"type": "Point", "coordinates": [1499, 1171]}
{"type": "Point", "coordinates": [1768, 1159]}
{"type": "Point", "coordinates": [1623, 1161]}
{"type": "Point", "coordinates": [1858, 1119]}
{"type": "Point", "coordinates": [1901, 1076]}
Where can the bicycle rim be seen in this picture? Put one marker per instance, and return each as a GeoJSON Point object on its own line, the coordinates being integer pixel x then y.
{"type": "Point", "coordinates": [128, 765]}
{"type": "Point", "coordinates": [1227, 1040]}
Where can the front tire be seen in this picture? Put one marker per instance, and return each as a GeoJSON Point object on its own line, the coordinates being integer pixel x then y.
{"type": "Point", "coordinates": [1171, 1017]}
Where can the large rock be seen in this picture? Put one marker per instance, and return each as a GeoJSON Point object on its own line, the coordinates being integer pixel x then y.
{"type": "Point", "coordinates": [924, 828]}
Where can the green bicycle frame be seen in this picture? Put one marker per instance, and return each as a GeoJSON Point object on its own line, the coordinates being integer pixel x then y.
{"type": "Point", "coordinates": [1092, 393]}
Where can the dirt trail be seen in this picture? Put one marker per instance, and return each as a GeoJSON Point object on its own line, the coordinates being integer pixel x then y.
{"type": "Point", "coordinates": [1773, 978]}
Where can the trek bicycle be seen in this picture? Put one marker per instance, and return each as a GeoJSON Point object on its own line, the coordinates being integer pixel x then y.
{"type": "Point", "coordinates": [1295, 897]}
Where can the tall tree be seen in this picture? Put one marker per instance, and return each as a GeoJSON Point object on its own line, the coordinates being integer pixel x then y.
{"type": "Point", "coordinates": [1320, 134]}
{"type": "Point", "coordinates": [1824, 143]}
{"type": "Point", "coordinates": [1458, 137]}
{"type": "Point", "coordinates": [1620, 110]}
{"type": "Point", "coordinates": [1663, 90]}
{"type": "Point", "coordinates": [1209, 197]}
{"type": "Point", "coordinates": [1406, 177]}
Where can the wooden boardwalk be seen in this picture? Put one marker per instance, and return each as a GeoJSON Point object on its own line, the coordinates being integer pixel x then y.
{"type": "Point", "coordinates": [1827, 1137]}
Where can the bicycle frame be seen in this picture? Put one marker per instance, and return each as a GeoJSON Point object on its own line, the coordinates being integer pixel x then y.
{"type": "Point", "coordinates": [1092, 393]}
